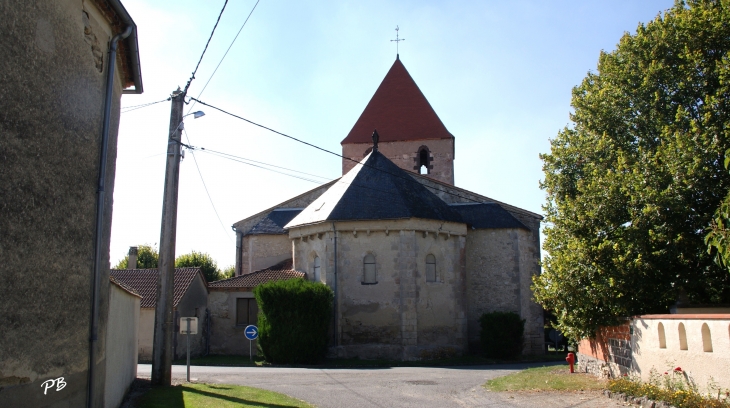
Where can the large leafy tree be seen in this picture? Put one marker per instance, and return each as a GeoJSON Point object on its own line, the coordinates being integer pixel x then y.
{"type": "Point", "coordinates": [147, 258]}
{"type": "Point", "coordinates": [632, 185]}
{"type": "Point", "coordinates": [205, 262]}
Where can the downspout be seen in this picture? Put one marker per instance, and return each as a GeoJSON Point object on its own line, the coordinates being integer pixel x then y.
{"type": "Point", "coordinates": [334, 318]}
{"type": "Point", "coordinates": [96, 278]}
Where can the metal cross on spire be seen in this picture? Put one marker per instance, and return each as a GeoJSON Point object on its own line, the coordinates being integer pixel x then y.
{"type": "Point", "coordinates": [397, 40]}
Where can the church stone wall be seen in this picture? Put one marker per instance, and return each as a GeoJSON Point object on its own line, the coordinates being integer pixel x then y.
{"type": "Point", "coordinates": [500, 264]}
{"type": "Point", "coordinates": [405, 155]}
{"type": "Point", "coordinates": [402, 316]}
{"type": "Point", "coordinates": [261, 251]}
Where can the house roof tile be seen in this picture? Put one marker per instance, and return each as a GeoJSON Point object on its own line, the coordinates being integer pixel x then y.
{"type": "Point", "coordinates": [144, 282]}
{"type": "Point", "coordinates": [280, 271]}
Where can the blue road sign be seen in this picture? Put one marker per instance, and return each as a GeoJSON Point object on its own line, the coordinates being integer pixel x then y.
{"type": "Point", "coordinates": [251, 332]}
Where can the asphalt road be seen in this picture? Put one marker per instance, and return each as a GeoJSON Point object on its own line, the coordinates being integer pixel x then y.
{"type": "Point", "coordinates": [421, 387]}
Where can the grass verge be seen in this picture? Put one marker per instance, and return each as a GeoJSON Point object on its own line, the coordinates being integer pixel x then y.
{"type": "Point", "coordinates": [243, 361]}
{"type": "Point", "coordinates": [215, 395]}
{"type": "Point", "coordinates": [553, 378]}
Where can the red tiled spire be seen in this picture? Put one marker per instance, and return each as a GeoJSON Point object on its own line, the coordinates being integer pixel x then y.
{"type": "Point", "coordinates": [399, 112]}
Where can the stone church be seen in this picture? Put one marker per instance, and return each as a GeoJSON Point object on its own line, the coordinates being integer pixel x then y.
{"type": "Point", "coordinates": [414, 261]}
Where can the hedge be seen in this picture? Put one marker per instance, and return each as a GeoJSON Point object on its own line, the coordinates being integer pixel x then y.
{"type": "Point", "coordinates": [294, 318]}
{"type": "Point", "coordinates": [502, 335]}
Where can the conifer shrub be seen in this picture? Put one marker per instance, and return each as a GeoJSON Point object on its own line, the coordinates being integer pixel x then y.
{"type": "Point", "coordinates": [294, 317]}
{"type": "Point", "coordinates": [502, 335]}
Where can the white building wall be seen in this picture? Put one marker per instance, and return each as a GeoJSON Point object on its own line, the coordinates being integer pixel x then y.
{"type": "Point", "coordinates": [121, 344]}
{"type": "Point", "coordinates": [703, 367]}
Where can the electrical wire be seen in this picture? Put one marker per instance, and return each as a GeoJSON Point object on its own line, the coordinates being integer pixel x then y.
{"type": "Point", "coordinates": [144, 105]}
{"type": "Point", "coordinates": [226, 53]}
{"type": "Point", "coordinates": [242, 160]}
{"type": "Point", "coordinates": [259, 162]}
{"type": "Point", "coordinates": [205, 49]}
{"type": "Point", "coordinates": [192, 153]}
{"type": "Point", "coordinates": [325, 150]}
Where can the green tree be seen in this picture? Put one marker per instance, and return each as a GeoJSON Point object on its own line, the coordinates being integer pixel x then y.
{"type": "Point", "coordinates": [633, 184]}
{"type": "Point", "coordinates": [229, 272]}
{"type": "Point", "coordinates": [147, 258]}
{"type": "Point", "coordinates": [202, 260]}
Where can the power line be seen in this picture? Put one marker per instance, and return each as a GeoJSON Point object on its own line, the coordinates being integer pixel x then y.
{"type": "Point", "coordinates": [192, 153]}
{"type": "Point", "coordinates": [144, 105]}
{"type": "Point", "coordinates": [226, 53]}
{"type": "Point", "coordinates": [205, 49]}
{"type": "Point", "coordinates": [325, 150]}
{"type": "Point", "coordinates": [235, 159]}
{"type": "Point", "coordinates": [259, 162]}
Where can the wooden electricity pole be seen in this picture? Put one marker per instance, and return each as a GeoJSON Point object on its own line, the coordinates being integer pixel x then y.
{"type": "Point", "coordinates": [164, 324]}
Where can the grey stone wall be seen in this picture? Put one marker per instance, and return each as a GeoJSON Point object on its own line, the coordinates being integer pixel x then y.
{"type": "Point", "coordinates": [263, 250]}
{"type": "Point", "coordinates": [401, 316]}
{"type": "Point", "coordinates": [193, 304]}
{"type": "Point", "coordinates": [50, 130]}
{"type": "Point", "coordinates": [405, 155]}
{"type": "Point", "coordinates": [226, 337]}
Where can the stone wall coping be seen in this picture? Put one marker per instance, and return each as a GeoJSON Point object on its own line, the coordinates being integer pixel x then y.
{"type": "Point", "coordinates": [692, 316]}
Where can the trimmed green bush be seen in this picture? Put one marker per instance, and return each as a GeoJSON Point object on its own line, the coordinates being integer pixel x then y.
{"type": "Point", "coordinates": [294, 317]}
{"type": "Point", "coordinates": [502, 335]}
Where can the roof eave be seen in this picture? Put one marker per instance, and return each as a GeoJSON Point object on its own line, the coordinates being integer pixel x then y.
{"type": "Point", "coordinates": [133, 46]}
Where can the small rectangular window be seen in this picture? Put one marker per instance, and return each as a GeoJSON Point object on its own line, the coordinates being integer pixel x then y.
{"type": "Point", "coordinates": [369, 276]}
{"type": "Point", "coordinates": [246, 311]}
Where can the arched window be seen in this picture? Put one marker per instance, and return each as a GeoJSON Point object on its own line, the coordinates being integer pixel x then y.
{"type": "Point", "coordinates": [682, 337]}
{"type": "Point", "coordinates": [430, 268]}
{"type": "Point", "coordinates": [316, 267]}
{"type": "Point", "coordinates": [662, 336]}
{"type": "Point", "coordinates": [706, 338]}
{"type": "Point", "coordinates": [423, 161]}
{"type": "Point", "coordinates": [369, 269]}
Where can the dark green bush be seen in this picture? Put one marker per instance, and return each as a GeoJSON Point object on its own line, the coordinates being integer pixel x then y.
{"type": "Point", "coordinates": [502, 334]}
{"type": "Point", "coordinates": [294, 317]}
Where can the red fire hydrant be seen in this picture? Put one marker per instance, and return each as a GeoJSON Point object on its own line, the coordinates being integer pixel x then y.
{"type": "Point", "coordinates": [571, 360]}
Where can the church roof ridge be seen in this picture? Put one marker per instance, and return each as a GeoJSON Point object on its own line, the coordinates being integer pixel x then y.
{"type": "Point", "coordinates": [399, 111]}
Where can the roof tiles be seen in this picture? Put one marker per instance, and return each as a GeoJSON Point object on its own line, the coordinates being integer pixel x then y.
{"type": "Point", "coordinates": [399, 111]}
{"type": "Point", "coordinates": [144, 282]}
{"type": "Point", "coordinates": [253, 279]}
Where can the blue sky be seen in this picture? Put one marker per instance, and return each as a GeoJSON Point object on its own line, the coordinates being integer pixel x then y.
{"type": "Point", "coordinates": [498, 74]}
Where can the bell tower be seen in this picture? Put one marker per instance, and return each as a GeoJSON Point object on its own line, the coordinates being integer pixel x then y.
{"type": "Point", "coordinates": [411, 135]}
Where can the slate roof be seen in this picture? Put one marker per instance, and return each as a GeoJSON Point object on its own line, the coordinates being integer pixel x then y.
{"type": "Point", "coordinates": [487, 216]}
{"type": "Point", "coordinates": [274, 221]}
{"type": "Point", "coordinates": [280, 271]}
{"type": "Point", "coordinates": [399, 111]}
{"type": "Point", "coordinates": [375, 189]}
{"type": "Point", "coordinates": [144, 282]}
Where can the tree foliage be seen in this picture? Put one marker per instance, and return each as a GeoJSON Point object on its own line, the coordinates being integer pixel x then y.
{"type": "Point", "coordinates": [294, 316]}
{"type": "Point", "coordinates": [205, 262]}
{"type": "Point", "coordinates": [147, 258]}
{"type": "Point", "coordinates": [633, 184]}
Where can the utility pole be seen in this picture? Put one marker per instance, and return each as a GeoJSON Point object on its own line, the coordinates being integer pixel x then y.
{"type": "Point", "coordinates": [164, 324]}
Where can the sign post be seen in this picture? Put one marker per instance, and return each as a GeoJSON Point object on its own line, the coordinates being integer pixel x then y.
{"type": "Point", "coordinates": [191, 327]}
{"type": "Point", "coordinates": [252, 333]}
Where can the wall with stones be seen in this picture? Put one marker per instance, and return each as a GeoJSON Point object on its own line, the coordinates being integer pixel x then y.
{"type": "Point", "coordinates": [192, 304]}
{"type": "Point", "coordinates": [261, 251]}
{"type": "Point", "coordinates": [405, 155]}
{"type": "Point", "coordinates": [53, 87]}
{"type": "Point", "coordinates": [401, 316]}
{"type": "Point", "coordinates": [225, 336]}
